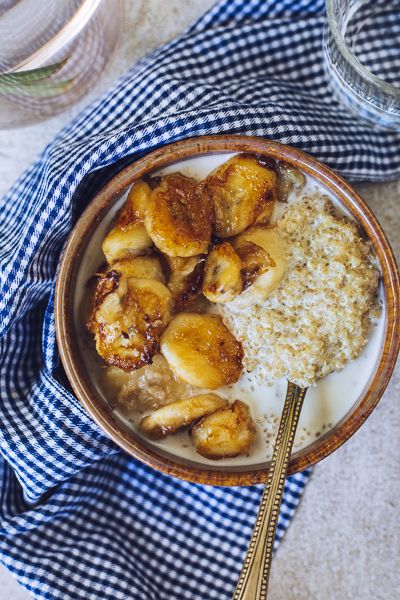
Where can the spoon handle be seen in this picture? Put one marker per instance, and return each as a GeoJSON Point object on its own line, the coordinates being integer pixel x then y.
{"type": "Point", "coordinates": [253, 579]}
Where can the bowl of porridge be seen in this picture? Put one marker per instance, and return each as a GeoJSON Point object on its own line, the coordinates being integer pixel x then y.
{"type": "Point", "coordinates": [200, 280]}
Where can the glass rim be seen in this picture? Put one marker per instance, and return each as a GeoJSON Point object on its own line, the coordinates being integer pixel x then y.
{"type": "Point", "coordinates": [60, 39]}
{"type": "Point", "coordinates": [350, 58]}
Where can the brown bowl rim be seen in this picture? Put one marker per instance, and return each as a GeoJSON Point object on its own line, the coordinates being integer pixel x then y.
{"type": "Point", "coordinates": [69, 353]}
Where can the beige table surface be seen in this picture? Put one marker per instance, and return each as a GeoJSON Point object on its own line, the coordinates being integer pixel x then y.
{"type": "Point", "coordinates": [344, 542]}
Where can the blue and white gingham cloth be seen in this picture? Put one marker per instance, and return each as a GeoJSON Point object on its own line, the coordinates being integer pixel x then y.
{"type": "Point", "coordinates": [79, 518]}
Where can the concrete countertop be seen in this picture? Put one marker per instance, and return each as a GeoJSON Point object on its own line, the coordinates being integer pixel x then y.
{"type": "Point", "coordinates": [344, 541]}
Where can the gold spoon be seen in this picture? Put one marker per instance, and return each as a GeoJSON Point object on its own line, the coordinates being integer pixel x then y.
{"type": "Point", "coordinates": [253, 580]}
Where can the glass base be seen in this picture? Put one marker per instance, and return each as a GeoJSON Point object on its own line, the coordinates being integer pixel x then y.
{"type": "Point", "coordinates": [83, 59]}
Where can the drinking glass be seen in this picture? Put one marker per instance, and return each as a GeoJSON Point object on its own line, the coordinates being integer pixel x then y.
{"type": "Point", "coordinates": [362, 51]}
{"type": "Point", "coordinates": [51, 53]}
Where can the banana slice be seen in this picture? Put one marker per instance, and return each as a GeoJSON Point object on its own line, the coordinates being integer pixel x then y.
{"type": "Point", "coordinates": [201, 350]}
{"type": "Point", "coordinates": [143, 390]}
{"type": "Point", "coordinates": [265, 216]}
{"type": "Point", "coordinates": [222, 274]}
{"type": "Point", "coordinates": [136, 204]}
{"type": "Point", "coordinates": [289, 178]}
{"type": "Point", "coordinates": [168, 419]}
{"type": "Point", "coordinates": [262, 251]}
{"type": "Point", "coordinates": [128, 317]}
{"type": "Point", "coordinates": [129, 236]}
{"type": "Point", "coordinates": [239, 190]}
{"type": "Point", "coordinates": [254, 261]}
{"type": "Point", "coordinates": [178, 217]}
{"type": "Point", "coordinates": [185, 280]}
{"type": "Point", "coordinates": [141, 267]}
{"type": "Point", "coordinates": [226, 433]}
{"type": "Point", "coordinates": [124, 243]}
{"type": "Point", "coordinates": [139, 199]}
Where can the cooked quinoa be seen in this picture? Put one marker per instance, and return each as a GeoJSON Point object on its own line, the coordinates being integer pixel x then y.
{"type": "Point", "coordinates": [319, 317]}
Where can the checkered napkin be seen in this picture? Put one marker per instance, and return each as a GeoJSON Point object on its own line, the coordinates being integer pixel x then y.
{"type": "Point", "coordinates": [80, 519]}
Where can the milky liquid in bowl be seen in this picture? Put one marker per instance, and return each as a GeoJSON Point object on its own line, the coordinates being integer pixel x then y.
{"type": "Point", "coordinates": [325, 404]}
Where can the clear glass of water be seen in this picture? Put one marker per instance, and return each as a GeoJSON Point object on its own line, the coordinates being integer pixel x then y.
{"type": "Point", "coordinates": [362, 51]}
{"type": "Point", "coordinates": [52, 52]}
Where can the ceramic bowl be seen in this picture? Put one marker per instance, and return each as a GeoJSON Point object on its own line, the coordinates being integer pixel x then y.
{"type": "Point", "coordinates": [82, 256]}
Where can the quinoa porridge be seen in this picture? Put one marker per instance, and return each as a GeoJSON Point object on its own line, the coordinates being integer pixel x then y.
{"type": "Point", "coordinates": [320, 316]}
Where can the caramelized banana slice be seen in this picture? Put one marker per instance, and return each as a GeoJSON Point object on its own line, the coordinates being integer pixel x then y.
{"type": "Point", "coordinates": [263, 268]}
{"type": "Point", "coordinates": [222, 274]}
{"type": "Point", "coordinates": [124, 243]}
{"type": "Point", "coordinates": [143, 390]}
{"type": "Point", "coordinates": [265, 216]}
{"type": "Point", "coordinates": [201, 350]}
{"type": "Point", "coordinates": [136, 204]}
{"type": "Point", "coordinates": [185, 280]}
{"type": "Point", "coordinates": [129, 236]}
{"type": "Point", "coordinates": [128, 317]}
{"type": "Point", "coordinates": [254, 262]}
{"type": "Point", "coordinates": [178, 217]}
{"type": "Point", "coordinates": [289, 178]}
{"type": "Point", "coordinates": [239, 190]}
{"type": "Point", "coordinates": [141, 267]}
{"type": "Point", "coordinates": [168, 419]}
{"type": "Point", "coordinates": [225, 433]}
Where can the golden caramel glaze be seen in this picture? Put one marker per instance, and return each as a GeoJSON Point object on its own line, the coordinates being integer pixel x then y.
{"type": "Point", "coordinates": [240, 190]}
{"type": "Point", "coordinates": [261, 274]}
{"type": "Point", "coordinates": [201, 350]}
{"type": "Point", "coordinates": [169, 419]}
{"type": "Point", "coordinates": [254, 261]}
{"type": "Point", "coordinates": [178, 217]}
{"type": "Point", "coordinates": [226, 433]}
{"type": "Point", "coordinates": [222, 274]}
